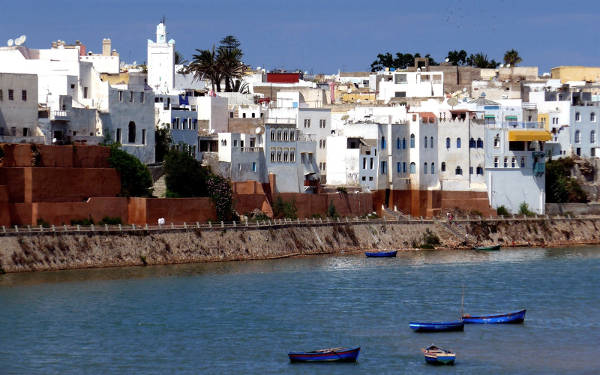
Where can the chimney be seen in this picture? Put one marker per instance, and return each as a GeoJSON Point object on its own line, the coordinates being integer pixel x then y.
{"type": "Point", "coordinates": [106, 47]}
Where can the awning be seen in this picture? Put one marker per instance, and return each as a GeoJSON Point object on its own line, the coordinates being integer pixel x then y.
{"type": "Point", "coordinates": [490, 116]}
{"type": "Point", "coordinates": [529, 135]}
{"type": "Point", "coordinates": [511, 118]}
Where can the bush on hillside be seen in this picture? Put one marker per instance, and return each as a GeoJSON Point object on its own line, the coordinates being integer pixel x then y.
{"type": "Point", "coordinates": [136, 180]}
{"type": "Point", "coordinates": [283, 209]}
{"type": "Point", "coordinates": [502, 211]}
{"type": "Point", "coordinates": [331, 211]}
{"type": "Point", "coordinates": [524, 210]}
{"type": "Point", "coordinates": [560, 186]}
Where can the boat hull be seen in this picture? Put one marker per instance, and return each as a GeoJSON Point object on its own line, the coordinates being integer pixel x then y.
{"type": "Point", "coordinates": [510, 318]}
{"type": "Point", "coordinates": [381, 254]}
{"type": "Point", "coordinates": [437, 326]}
{"type": "Point", "coordinates": [342, 355]}
{"type": "Point", "coordinates": [440, 359]}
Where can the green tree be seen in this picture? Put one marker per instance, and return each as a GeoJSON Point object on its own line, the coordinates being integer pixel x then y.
{"type": "Point", "coordinates": [184, 176]}
{"type": "Point", "coordinates": [480, 60]}
{"type": "Point", "coordinates": [136, 180]}
{"type": "Point", "coordinates": [230, 63]}
{"type": "Point", "coordinates": [560, 186]}
{"type": "Point", "coordinates": [512, 57]}
{"type": "Point", "coordinates": [162, 140]}
{"type": "Point", "coordinates": [179, 59]}
{"type": "Point", "coordinates": [457, 57]}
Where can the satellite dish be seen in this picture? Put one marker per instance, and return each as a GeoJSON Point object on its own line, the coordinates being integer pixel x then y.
{"type": "Point", "coordinates": [20, 40]}
{"type": "Point", "coordinates": [447, 59]}
{"type": "Point", "coordinates": [10, 42]}
{"type": "Point", "coordinates": [259, 130]}
{"type": "Point", "coordinates": [172, 41]}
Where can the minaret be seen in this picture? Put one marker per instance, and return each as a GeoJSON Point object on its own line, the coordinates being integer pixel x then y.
{"type": "Point", "coordinates": [161, 61]}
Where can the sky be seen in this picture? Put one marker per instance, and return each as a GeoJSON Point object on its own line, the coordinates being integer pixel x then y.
{"type": "Point", "coordinates": [320, 36]}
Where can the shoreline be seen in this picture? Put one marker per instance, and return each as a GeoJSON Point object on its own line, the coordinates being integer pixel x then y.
{"type": "Point", "coordinates": [53, 250]}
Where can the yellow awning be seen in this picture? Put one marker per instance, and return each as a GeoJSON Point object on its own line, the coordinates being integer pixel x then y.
{"type": "Point", "coordinates": [529, 135]}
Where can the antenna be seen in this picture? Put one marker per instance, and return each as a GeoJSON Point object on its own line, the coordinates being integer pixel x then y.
{"type": "Point", "coordinates": [10, 42]}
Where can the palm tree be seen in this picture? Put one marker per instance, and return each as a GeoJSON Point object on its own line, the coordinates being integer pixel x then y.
{"type": "Point", "coordinates": [480, 60]}
{"type": "Point", "coordinates": [230, 65]}
{"type": "Point", "coordinates": [512, 57]}
{"type": "Point", "coordinates": [206, 64]}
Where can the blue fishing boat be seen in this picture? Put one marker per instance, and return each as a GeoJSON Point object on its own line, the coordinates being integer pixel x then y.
{"type": "Point", "coordinates": [437, 326]}
{"type": "Point", "coordinates": [380, 254]}
{"type": "Point", "coordinates": [326, 355]}
{"type": "Point", "coordinates": [513, 317]}
{"type": "Point", "coordinates": [438, 356]}
{"type": "Point", "coordinates": [487, 248]}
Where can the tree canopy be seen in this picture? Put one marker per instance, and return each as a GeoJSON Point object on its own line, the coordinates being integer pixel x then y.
{"type": "Point", "coordinates": [400, 61]}
{"type": "Point", "coordinates": [136, 180]}
{"type": "Point", "coordinates": [512, 57]}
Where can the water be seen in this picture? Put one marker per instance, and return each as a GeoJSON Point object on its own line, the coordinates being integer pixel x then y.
{"type": "Point", "coordinates": [243, 317]}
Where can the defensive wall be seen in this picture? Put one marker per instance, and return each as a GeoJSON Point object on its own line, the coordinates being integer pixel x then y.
{"type": "Point", "coordinates": [24, 249]}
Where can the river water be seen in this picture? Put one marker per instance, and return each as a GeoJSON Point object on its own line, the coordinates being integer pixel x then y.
{"type": "Point", "coordinates": [243, 317]}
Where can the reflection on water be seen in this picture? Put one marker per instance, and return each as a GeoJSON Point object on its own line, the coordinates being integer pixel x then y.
{"type": "Point", "coordinates": [242, 317]}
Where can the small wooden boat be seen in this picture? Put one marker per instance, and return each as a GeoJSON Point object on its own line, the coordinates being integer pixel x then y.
{"type": "Point", "coordinates": [438, 356]}
{"type": "Point", "coordinates": [437, 326]}
{"type": "Point", "coordinates": [487, 248]}
{"type": "Point", "coordinates": [326, 355]}
{"type": "Point", "coordinates": [380, 254]}
{"type": "Point", "coordinates": [513, 317]}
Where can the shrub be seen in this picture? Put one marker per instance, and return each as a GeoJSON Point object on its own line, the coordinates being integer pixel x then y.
{"type": "Point", "coordinates": [85, 222]}
{"type": "Point", "coordinates": [502, 211]}
{"type": "Point", "coordinates": [135, 176]}
{"type": "Point", "coordinates": [163, 141]}
{"type": "Point", "coordinates": [430, 239]}
{"type": "Point", "coordinates": [560, 186]}
{"type": "Point", "coordinates": [283, 209]}
{"type": "Point", "coordinates": [331, 211]}
{"type": "Point", "coordinates": [43, 223]}
{"type": "Point", "coordinates": [476, 213]}
{"type": "Point", "coordinates": [342, 190]}
{"type": "Point", "coordinates": [524, 210]}
{"type": "Point", "coordinates": [110, 221]}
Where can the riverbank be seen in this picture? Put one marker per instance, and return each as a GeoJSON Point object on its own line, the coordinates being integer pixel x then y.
{"type": "Point", "coordinates": [26, 251]}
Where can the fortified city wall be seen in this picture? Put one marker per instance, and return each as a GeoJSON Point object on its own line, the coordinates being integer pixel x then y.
{"type": "Point", "coordinates": [55, 249]}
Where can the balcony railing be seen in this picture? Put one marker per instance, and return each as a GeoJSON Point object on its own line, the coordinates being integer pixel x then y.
{"type": "Point", "coordinates": [60, 115]}
{"type": "Point", "coordinates": [251, 149]}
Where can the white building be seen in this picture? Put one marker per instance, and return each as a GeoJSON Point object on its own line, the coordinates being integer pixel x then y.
{"type": "Point", "coordinates": [19, 108]}
{"type": "Point", "coordinates": [161, 61]}
{"type": "Point", "coordinates": [410, 85]}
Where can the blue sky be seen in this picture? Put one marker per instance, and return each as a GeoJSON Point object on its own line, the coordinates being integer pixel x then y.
{"type": "Point", "coordinates": [321, 36]}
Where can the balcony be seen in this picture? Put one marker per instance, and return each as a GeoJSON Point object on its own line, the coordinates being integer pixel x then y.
{"type": "Point", "coordinates": [60, 116]}
{"type": "Point", "coordinates": [251, 149]}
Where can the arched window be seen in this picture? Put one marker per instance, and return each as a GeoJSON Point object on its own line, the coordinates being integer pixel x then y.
{"type": "Point", "coordinates": [279, 134]}
{"type": "Point", "coordinates": [593, 136]}
{"type": "Point", "coordinates": [577, 136]}
{"type": "Point", "coordinates": [404, 143]}
{"type": "Point", "coordinates": [505, 162]}
{"type": "Point", "coordinates": [131, 138]}
{"type": "Point", "coordinates": [272, 134]}
{"type": "Point", "coordinates": [383, 143]}
{"type": "Point", "coordinates": [497, 141]}
{"type": "Point", "coordinates": [425, 142]}
{"type": "Point", "coordinates": [472, 143]}
{"type": "Point", "coordinates": [457, 142]}
{"type": "Point", "coordinates": [443, 166]}
{"type": "Point", "coordinates": [431, 142]}
{"type": "Point", "coordinates": [479, 143]}
{"type": "Point", "coordinates": [577, 116]}
{"type": "Point", "coordinates": [458, 170]}
{"type": "Point", "coordinates": [513, 162]}
{"type": "Point", "coordinates": [292, 135]}
{"type": "Point", "coordinates": [593, 117]}
{"type": "Point", "coordinates": [448, 142]}
{"type": "Point", "coordinates": [412, 141]}
{"type": "Point", "coordinates": [424, 168]}
{"type": "Point", "coordinates": [480, 171]}
{"type": "Point", "coordinates": [432, 168]}
{"type": "Point", "coordinates": [398, 143]}
{"type": "Point", "coordinates": [285, 135]}
{"type": "Point", "coordinates": [413, 168]}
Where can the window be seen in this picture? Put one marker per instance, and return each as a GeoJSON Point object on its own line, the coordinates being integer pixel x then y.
{"type": "Point", "coordinates": [371, 178]}
{"type": "Point", "coordinates": [131, 133]}
{"type": "Point", "coordinates": [431, 142]}
{"type": "Point", "coordinates": [400, 94]}
{"type": "Point", "coordinates": [195, 124]}
{"type": "Point", "coordinates": [443, 166]}
{"type": "Point", "coordinates": [577, 136]}
{"type": "Point", "coordinates": [143, 136]}
{"type": "Point", "coordinates": [364, 178]}
{"type": "Point", "coordinates": [293, 156]}
{"type": "Point", "coordinates": [480, 171]}
{"type": "Point", "coordinates": [398, 167]}
{"type": "Point", "coordinates": [593, 136]}
{"type": "Point", "coordinates": [285, 155]}
{"type": "Point", "coordinates": [593, 117]}
{"type": "Point", "coordinates": [85, 92]}
{"type": "Point", "coordinates": [432, 168]}
{"type": "Point", "coordinates": [230, 114]}
{"type": "Point", "coordinates": [479, 143]}
{"type": "Point", "coordinates": [513, 162]}
{"type": "Point", "coordinates": [424, 168]}
{"type": "Point", "coordinates": [118, 136]}
{"type": "Point", "coordinates": [403, 167]}
{"type": "Point", "coordinates": [458, 170]}
{"type": "Point", "coordinates": [141, 97]}
{"type": "Point", "coordinates": [383, 167]}
{"type": "Point", "coordinates": [322, 124]}
{"type": "Point", "coordinates": [371, 163]}
{"type": "Point", "coordinates": [235, 143]}
{"type": "Point", "coordinates": [24, 95]}
{"type": "Point", "coordinates": [412, 141]}
{"type": "Point", "coordinates": [130, 96]}
{"type": "Point", "coordinates": [364, 163]}
{"type": "Point", "coordinates": [497, 141]}
{"type": "Point", "coordinates": [404, 143]}
{"type": "Point", "coordinates": [472, 143]}
{"type": "Point", "coordinates": [425, 142]}
{"type": "Point", "coordinates": [307, 123]}
{"type": "Point", "coordinates": [272, 154]}
{"type": "Point", "coordinates": [244, 115]}
{"type": "Point", "coordinates": [470, 170]}
{"type": "Point", "coordinates": [272, 134]}
{"type": "Point", "coordinates": [1, 95]}
{"type": "Point", "coordinates": [448, 142]}
{"type": "Point", "coordinates": [278, 155]}
{"type": "Point", "coordinates": [398, 144]}
{"type": "Point", "coordinates": [457, 142]}
{"type": "Point", "coordinates": [413, 168]}
{"type": "Point", "coordinates": [11, 94]}
{"type": "Point", "coordinates": [400, 78]}
{"type": "Point", "coordinates": [279, 134]}
{"type": "Point", "coordinates": [293, 136]}
{"type": "Point", "coordinates": [253, 115]}
{"type": "Point", "coordinates": [496, 162]}
{"type": "Point", "coordinates": [26, 132]}
{"type": "Point", "coordinates": [505, 162]}
{"type": "Point", "coordinates": [522, 161]}
{"type": "Point", "coordinates": [120, 96]}
{"type": "Point", "coordinates": [577, 116]}
{"type": "Point", "coordinates": [383, 143]}
{"type": "Point", "coordinates": [285, 135]}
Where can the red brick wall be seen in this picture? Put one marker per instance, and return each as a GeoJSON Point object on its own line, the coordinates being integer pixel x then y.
{"type": "Point", "coordinates": [72, 184]}
{"type": "Point", "coordinates": [16, 155]}
{"type": "Point", "coordinates": [345, 204]}
{"type": "Point", "coordinates": [20, 155]}
{"type": "Point", "coordinates": [173, 210]}
{"type": "Point", "coordinates": [246, 203]}
{"type": "Point", "coordinates": [96, 208]}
